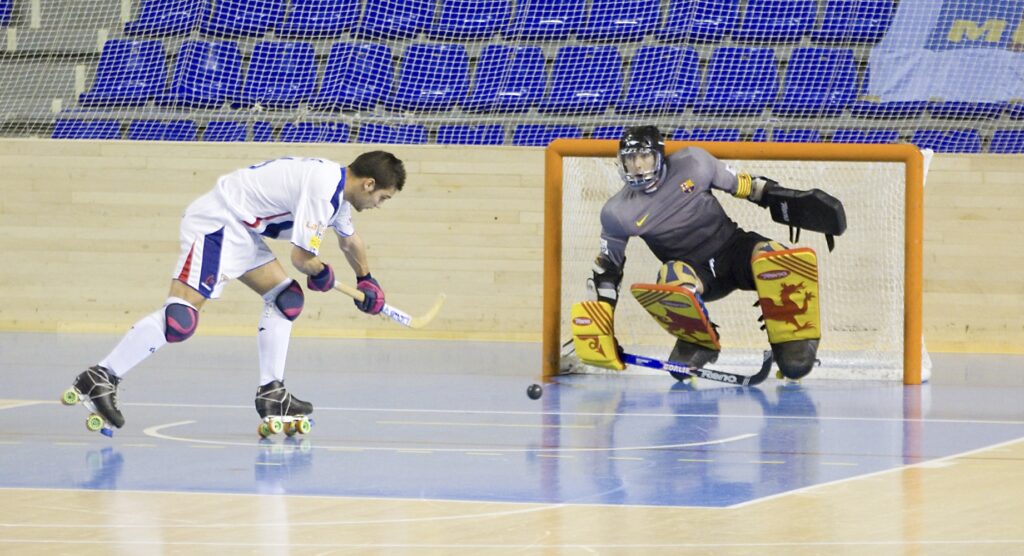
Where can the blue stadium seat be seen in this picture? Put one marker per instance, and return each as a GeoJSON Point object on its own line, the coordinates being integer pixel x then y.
{"type": "Point", "coordinates": [741, 81]}
{"type": "Point", "coordinates": [700, 134]}
{"type": "Point", "coordinates": [534, 135]}
{"type": "Point", "coordinates": [318, 19]}
{"type": "Point", "coordinates": [620, 21]}
{"type": "Point", "coordinates": [401, 134]}
{"type": "Point", "coordinates": [508, 79]}
{"type": "Point", "coordinates": [546, 20]}
{"type": "Point", "coordinates": [311, 132]}
{"type": "Point", "coordinates": [608, 132]}
{"type": "Point", "coordinates": [662, 80]}
{"type": "Point", "coordinates": [948, 140]}
{"type": "Point", "coordinates": [262, 132]}
{"type": "Point", "coordinates": [870, 136]}
{"type": "Point", "coordinates": [357, 77]}
{"type": "Point", "coordinates": [1015, 110]}
{"type": "Point", "coordinates": [6, 10]}
{"type": "Point", "coordinates": [223, 131]}
{"type": "Point", "coordinates": [470, 135]}
{"type": "Point", "coordinates": [129, 73]}
{"type": "Point", "coordinates": [280, 75]}
{"type": "Point", "coordinates": [394, 19]}
{"type": "Point", "coordinates": [1007, 141]}
{"type": "Point", "coordinates": [775, 22]}
{"type": "Point", "coordinates": [961, 110]}
{"type": "Point", "coordinates": [796, 136]}
{"type": "Point", "coordinates": [431, 77]}
{"type": "Point", "coordinates": [470, 19]}
{"type": "Point", "coordinates": [86, 129]}
{"type": "Point", "coordinates": [699, 20]}
{"type": "Point", "coordinates": [166, 18]}
{"type": "Point", "coordinates": [818, 82]}
{"type": "Point", "coordinates": [241, 18]}
{"type": "Point", "coordinates": [585, 80]}
{"type": "Point", "coordinates": [854, 21]}
{"type": "Point", "coordinates": [162, 130]}
{"type": "Point", "coordinates": [205, 75]}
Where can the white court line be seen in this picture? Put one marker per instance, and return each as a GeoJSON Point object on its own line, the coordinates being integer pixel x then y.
{"type": "Point", "coordinates": [923, 464]}
{"type": "Point", "coordinates": [477, 546]}
{"type": "Point", "coordinates": [13, 404]}
{"type": "Point", "coordinates": [579, 413]}
{"type": "Point", "coordinates": [154, 431]}
{"type": "Point", "coordinates": [463, 424]}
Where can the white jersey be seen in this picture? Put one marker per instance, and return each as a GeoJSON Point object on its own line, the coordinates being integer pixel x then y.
{"type": "Point", "coordinates": [293, 199]}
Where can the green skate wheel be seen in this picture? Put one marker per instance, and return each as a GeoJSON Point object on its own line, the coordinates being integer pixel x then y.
{"type": "Point", "coordinates": [289, 429]}
{"type": "Point", "coordinates": [94, 422]}
{"type": "Point", "coordinates": [276, 425]}
{"type": "Point", "coordinates": [779, 375]}
{"type": "Point", "coordinates": [69, 397]}
{"type": "Point", "coordinates": [303, 426]}
{"type": "Point", "coordinates": [264, 430]}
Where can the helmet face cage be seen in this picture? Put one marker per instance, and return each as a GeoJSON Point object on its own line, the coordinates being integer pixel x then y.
{"type": "Point", "coordinates": [641, 157]}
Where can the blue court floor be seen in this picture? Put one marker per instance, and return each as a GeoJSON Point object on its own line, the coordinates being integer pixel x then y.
{"type": "Point", "coordinates": [439, 420]}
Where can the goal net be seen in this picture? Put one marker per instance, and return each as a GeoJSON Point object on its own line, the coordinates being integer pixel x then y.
{"type": "Point", "coordinates": [870, 285]}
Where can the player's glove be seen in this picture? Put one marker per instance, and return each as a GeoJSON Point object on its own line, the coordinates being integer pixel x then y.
{"type": "Point", "coordinates": [322, 282]}
{"type": "Point", "coordinates": [373, 301]}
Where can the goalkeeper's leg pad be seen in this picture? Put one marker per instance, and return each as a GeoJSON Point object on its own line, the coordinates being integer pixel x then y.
{"type": "Point", "coordinates": [679, 311]}
{"type": "Point", "coordinates": [593, 335]}
{"type": "Point", "coordinates": [787, 289]}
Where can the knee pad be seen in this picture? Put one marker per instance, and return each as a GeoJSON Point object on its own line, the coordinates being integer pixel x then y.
{"type": "Point", "coordinates": [180, 322]}
{"type": "Point", "coordinates": [290, 301]}
{"type": "Point", "coordinates": [678, 273]}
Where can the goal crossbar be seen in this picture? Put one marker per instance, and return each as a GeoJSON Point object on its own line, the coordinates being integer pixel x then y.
{"type": "Point", "coordinates": [911, 158]}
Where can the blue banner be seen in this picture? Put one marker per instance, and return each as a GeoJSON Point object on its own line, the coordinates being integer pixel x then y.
{"type": "Point", "coordinates": [967, 50]}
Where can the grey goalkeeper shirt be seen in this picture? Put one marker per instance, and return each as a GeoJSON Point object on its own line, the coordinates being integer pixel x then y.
{"type": "Point", "coordinates": [681, 220]}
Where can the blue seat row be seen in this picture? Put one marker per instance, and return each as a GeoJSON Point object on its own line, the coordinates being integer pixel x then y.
{"type": "Point", "coordinates": [431, 77]}
{"type": "Point", "coordinates": [770, 21]}
{"type": "Point", "coordinates": [955, 140]}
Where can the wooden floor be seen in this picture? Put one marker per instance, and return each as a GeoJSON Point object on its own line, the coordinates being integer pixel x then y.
{"type": "Point", "coordinates": [451, 462]}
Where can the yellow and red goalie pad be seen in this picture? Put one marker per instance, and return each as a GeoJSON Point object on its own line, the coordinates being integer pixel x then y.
{"type": "Point", "coordinates": [678, 311]}
{"type": "Point", "coordinates": [593, 334]}
{"type": "Point", "coordinates": [787, 288]}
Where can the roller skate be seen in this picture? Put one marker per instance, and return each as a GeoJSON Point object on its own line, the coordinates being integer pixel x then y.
{"type": "Point", "coordinates": [96, 389]}
{"type": "Point", "coordinates": [281, 411]}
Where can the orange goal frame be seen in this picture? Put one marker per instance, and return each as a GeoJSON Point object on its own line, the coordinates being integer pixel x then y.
{"type": "Point", "coordinates": [909, 155]}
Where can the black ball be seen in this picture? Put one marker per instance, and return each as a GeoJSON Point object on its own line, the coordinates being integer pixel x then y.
{"type": "Point", "coordinates": [535, 391]}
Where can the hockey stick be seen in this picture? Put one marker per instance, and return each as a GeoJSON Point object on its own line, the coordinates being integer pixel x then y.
{"type": "Point", "coordinates": [707, 374]}
{"type": "Point", "coordinates": [395, 314]}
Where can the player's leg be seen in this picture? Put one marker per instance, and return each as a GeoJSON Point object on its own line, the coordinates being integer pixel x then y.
{"type": "Point", "coordinates": [787, 287]}
{"type": "Point", "coordinates": [283, 301]}
{"type": "Point", "coordinates": [699, 344]}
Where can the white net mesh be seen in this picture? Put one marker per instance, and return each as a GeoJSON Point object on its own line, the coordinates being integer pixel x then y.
{"type": "Point", "coordinates": [942, 74]}
{"type": "Point", "coordinates": [862, 280]}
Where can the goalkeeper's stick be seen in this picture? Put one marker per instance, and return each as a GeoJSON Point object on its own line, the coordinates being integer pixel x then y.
{"type": "Point", "coordinates": [707, 374]}
{"type": "Point", "coordinates": [393, 313]}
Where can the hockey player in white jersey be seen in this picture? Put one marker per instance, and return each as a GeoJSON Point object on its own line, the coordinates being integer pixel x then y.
{"type": "Point", "coordinates": [222, 238]}
{"type": "Point", "coordinates": [667, 202]}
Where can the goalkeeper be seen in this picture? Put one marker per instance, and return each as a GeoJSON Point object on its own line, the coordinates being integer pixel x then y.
{"type": "Point", "coordinates": [667, 201]}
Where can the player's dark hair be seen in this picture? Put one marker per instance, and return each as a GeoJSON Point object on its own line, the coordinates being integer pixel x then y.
{"type": "Point", "coordinates": [385, 169]}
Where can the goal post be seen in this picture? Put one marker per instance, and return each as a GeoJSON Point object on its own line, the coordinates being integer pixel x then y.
{"type": "Point", "coordinates": [873, 272]}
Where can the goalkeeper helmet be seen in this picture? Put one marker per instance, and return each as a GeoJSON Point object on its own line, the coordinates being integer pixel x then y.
{"type": "Point", "coordinates": [642, 157]}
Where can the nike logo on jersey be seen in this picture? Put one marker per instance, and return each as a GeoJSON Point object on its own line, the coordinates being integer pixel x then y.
{"type": "Point", "coordinates": [642, 219]}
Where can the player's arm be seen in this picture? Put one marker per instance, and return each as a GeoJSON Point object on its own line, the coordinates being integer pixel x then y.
{"type": "Point", "coordinates": [355, 253]}
{"type": "Point", "coordinates": [319, 275]}
{"type": "Point", "coordinates": [812, 210]}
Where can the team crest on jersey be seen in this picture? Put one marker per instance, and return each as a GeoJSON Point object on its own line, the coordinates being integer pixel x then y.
{"type": "Point", "coordinates": [687, 186]}
{"type": "Point", "coordinates": [314, 242]}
